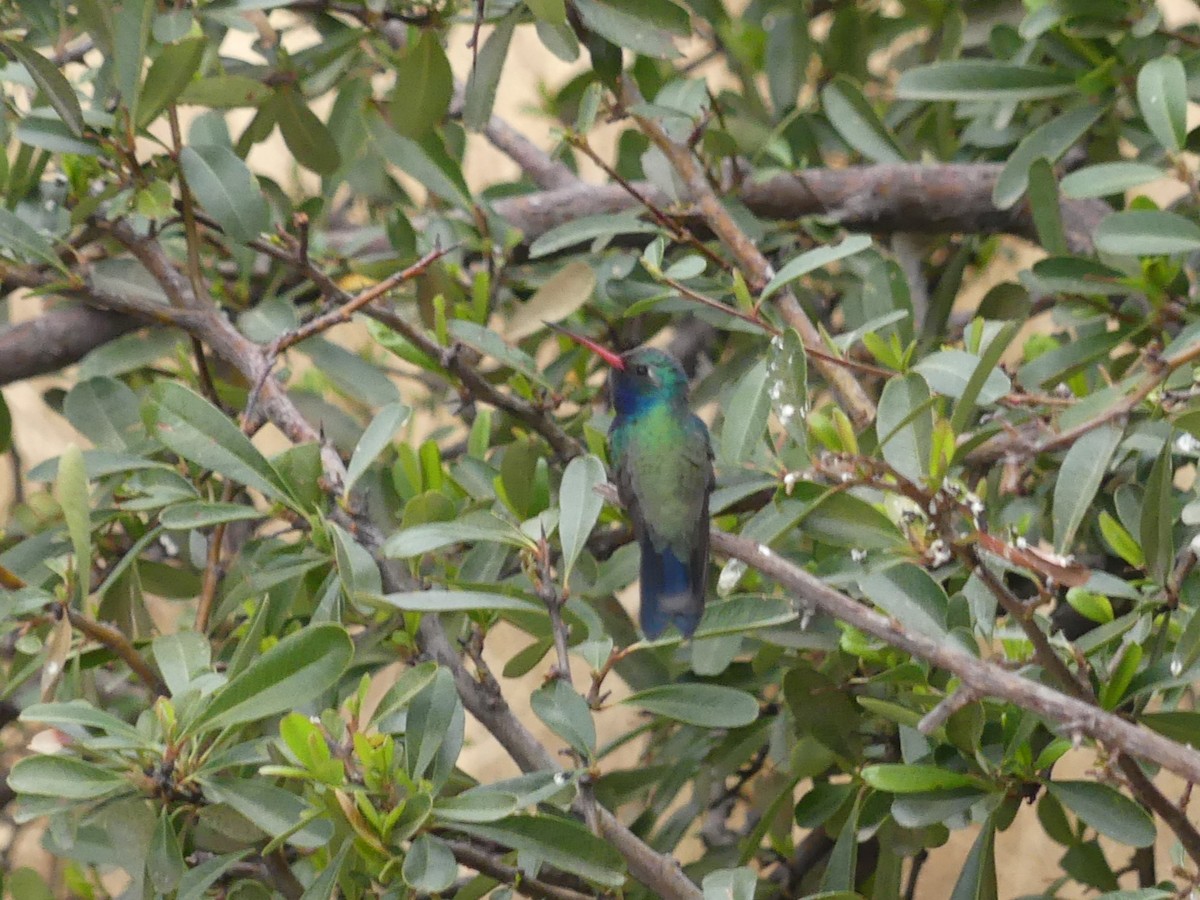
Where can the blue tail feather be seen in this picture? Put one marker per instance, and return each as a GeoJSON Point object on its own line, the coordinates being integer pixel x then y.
{"type": "Point", "coordinates": [672, 593]}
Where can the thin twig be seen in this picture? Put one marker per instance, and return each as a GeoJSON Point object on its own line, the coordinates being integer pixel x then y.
{"type": "Point", "coordinates": [679, 231]}
{"type": "Point", "coordinates": [486, 863]}
{"type": "Point", "coordinates": [120, 647]}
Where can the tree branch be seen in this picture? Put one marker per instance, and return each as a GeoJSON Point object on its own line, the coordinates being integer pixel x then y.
{"type": "Point", "coordinates": [56, 339]}
{"type": "Point", "coordinates": [984, 678]}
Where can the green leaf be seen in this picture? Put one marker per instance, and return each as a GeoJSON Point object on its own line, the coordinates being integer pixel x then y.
{"type": "Point", "coordinates": [302, 665]}
{"type": "Point", "coordinates": [226, 189]}
{"type": "Point", "coordinates": [567, 715]}
{"type": "Point", "coordinates": [1110, 813]}
{"type": "Point", "coordinates": [1078, 480]}
{"type": "Point", "coordinates": [1162, 97]}
{"type": "Point", "coordinates": [983, 80]}
{"type": "Point", "coordinates": [181, 657]}
{"type": "Point", "coordinates": [164, 860]}
{"type": "Point", "coordinates": [5, 426]}
{"type": "Point", "coordinates": [910, 595]}
{"type": "Point", "coordinates": [706, 705]}
{"type": "Point", "coordinates": [950, 372]}
{"type": "Point", "coordinates": [373, 441]}
{"type": "Point", "coordinates": [488, 342]}
{"type": "Point", "coordinates": [1044, 205]}
{"type": "Point", "coordinates": [274, 810]}
{"type": "Point", "coordinates": [1087, 603]}
{"type": "Point", "coordinates": [842, 866]}
{"type": "Point", "coordinates": [856, 121]}
{"type": "Point", "coordinates": [1048, 141]}
{"type": "Point", "coordinates": [479, 804]}
{"type": "Point", "coordinates": [1121, 541]}
{"type": "Point", "coordinates": [429, 865]}
{"type": "Point", "coordinates": [65, 777]}
{"type": "Point", "coordinates": [225, 92]}
{"type": "Point", "coordinates": [1103, 179]}
{"type": "Point", "coordinates": [552, 12]}
{"type": "Point", "coordinates": [424, 87]}
{"type": "Point", "coordinates": [131, 36]}
{"type": "Point", "coordinates": [71, 491]}
{"type": "Point", "coordinates": [430, 715]}
{"type": "Point", "coordinates": [579, 507]}
{"type": "Point", "coordinates": [811, 260]}
{"type": "Point", "coordinates": [643, 27]}
{"type": "Point", "coordinates": [985, 372]}
{"type": "Point", "coordinates": [1179, 725]}
{"type": "Point", "coordinates": [324, 886]}
{"type": "Point", "coordinates": [977, 881]}
{"type": "Point", "coordinates": [203, 514]}
{"type": "Point", "coordinates": [425, 160]}
{"type": "Point", "coordinates": [79, 713]}
{"type": "Point", "coordinates": [305, 135]}
{"type": "Point", "coordinates": [52, 83]}
{"type": "Point", "coordinates": [485, 74]}
{"type": "Point", "coordinates": [745, 417]}
{"type": "Point", "coordinates": [435, 535]}
{"type": "Point", "coordinates": [22, 242]}
{"type": "Point", "coordinates": [730, 884]}
{"type": "Point", "coordinates": [189, 425]}
{"type": "Point", "coordinates": [168, 76]}
{"type": "Point", "coordinates": [1147, 232]}
{"type": "Point", "coordinates": [457, 601]}
{"type": "Point", "coordinates": [905, 425]}
{"type": "Point", "coordinates": [106, 411]}
{"type": "Point", "coordinates": [589, 228]}
{"type": "Point", "coordinates": [908, 778]}
{"type": "Point", "coordinates": [197, 880]}
{"type": "Point", "coordinates": [561, 294]}
{"type": "Point", "coordinates": [1158, 517]}
{"type": "Point", "coordinates": [556, 841]}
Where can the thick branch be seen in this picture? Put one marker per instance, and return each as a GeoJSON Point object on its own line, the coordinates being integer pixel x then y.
{"type": "Point", "coordinates": [486, 863]}
{"type": "Point", "coordinates": [983, 678]}
{"type": "Point", "coordinates": [57, 339]}
{"type": "Point", "coordinates": [929, 199]}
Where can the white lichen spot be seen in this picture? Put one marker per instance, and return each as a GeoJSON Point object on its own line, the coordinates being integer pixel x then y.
{"type": "Point", "coordinates": [975, 505]}
{"type": "Point", "coordinates": [805, 618]}
{"type": "Point", "coordinates": [933, 507]}
{"type": "Point", "coordinates": [730, 576]}
{"type": "Point", "coordinates": [1187, 444]}
{"type": "Point", "coordinates": [53, 668]}
{"type": "Point", "coordinates": [777, 342]}
{"type": "Point", "coordinates": [846, 476]}
{"type": "Point", "coordinates": [764, 550]}
{"type": "Point", "coordinates": [939, 553]}
{"type": "Point", "coordinates": [776, 390]}
{"type": "Point", "coordinates": [786, 412]}
{"type": "Point", "coordinates": [1176, 666]}
{"type": "Point", "coordinates": [858, 555]}
{"type": "Point", "coordinates": [1021, 543]}
{"type": "Point", "coordinates": [1194, 546]}
{"type": "Point", "coordinates": [561, 778]}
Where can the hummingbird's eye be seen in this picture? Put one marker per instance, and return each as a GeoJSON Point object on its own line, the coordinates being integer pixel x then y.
{"type": "Point", "coordinates": [641, 371]}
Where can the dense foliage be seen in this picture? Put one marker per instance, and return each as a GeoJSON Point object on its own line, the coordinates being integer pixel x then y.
{"type": "Point", "coordinates": [951, 548]}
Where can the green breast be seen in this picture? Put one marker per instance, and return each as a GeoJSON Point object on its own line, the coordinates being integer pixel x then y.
{"type": "Point", "coordinates": [663, 458]}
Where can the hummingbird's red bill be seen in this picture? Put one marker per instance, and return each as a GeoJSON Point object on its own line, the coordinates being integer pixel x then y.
{"type": "Point", "coordinates": [613, 359]}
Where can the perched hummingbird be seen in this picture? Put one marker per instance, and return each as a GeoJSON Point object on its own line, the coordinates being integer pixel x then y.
{"type": "Point", "coordinates": [662, 461]}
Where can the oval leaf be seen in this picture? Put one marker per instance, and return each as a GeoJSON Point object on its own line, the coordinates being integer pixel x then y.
{"type": "Point", "coordinates": [706, 705]}
{"type": "Point", "coordinates": [579, 507]}
{"type": "Point", "coordinates": [1110, 813]}
{"type": "Point", "coordinates": [301, 666]}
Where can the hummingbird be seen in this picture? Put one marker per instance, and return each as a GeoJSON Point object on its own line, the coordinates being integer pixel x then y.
{"type": "Point", "coordinates": [662, 463]}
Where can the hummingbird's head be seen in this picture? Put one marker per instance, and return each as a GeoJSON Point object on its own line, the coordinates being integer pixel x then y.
{"type": "Point", "coordinates": [646, 377]}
